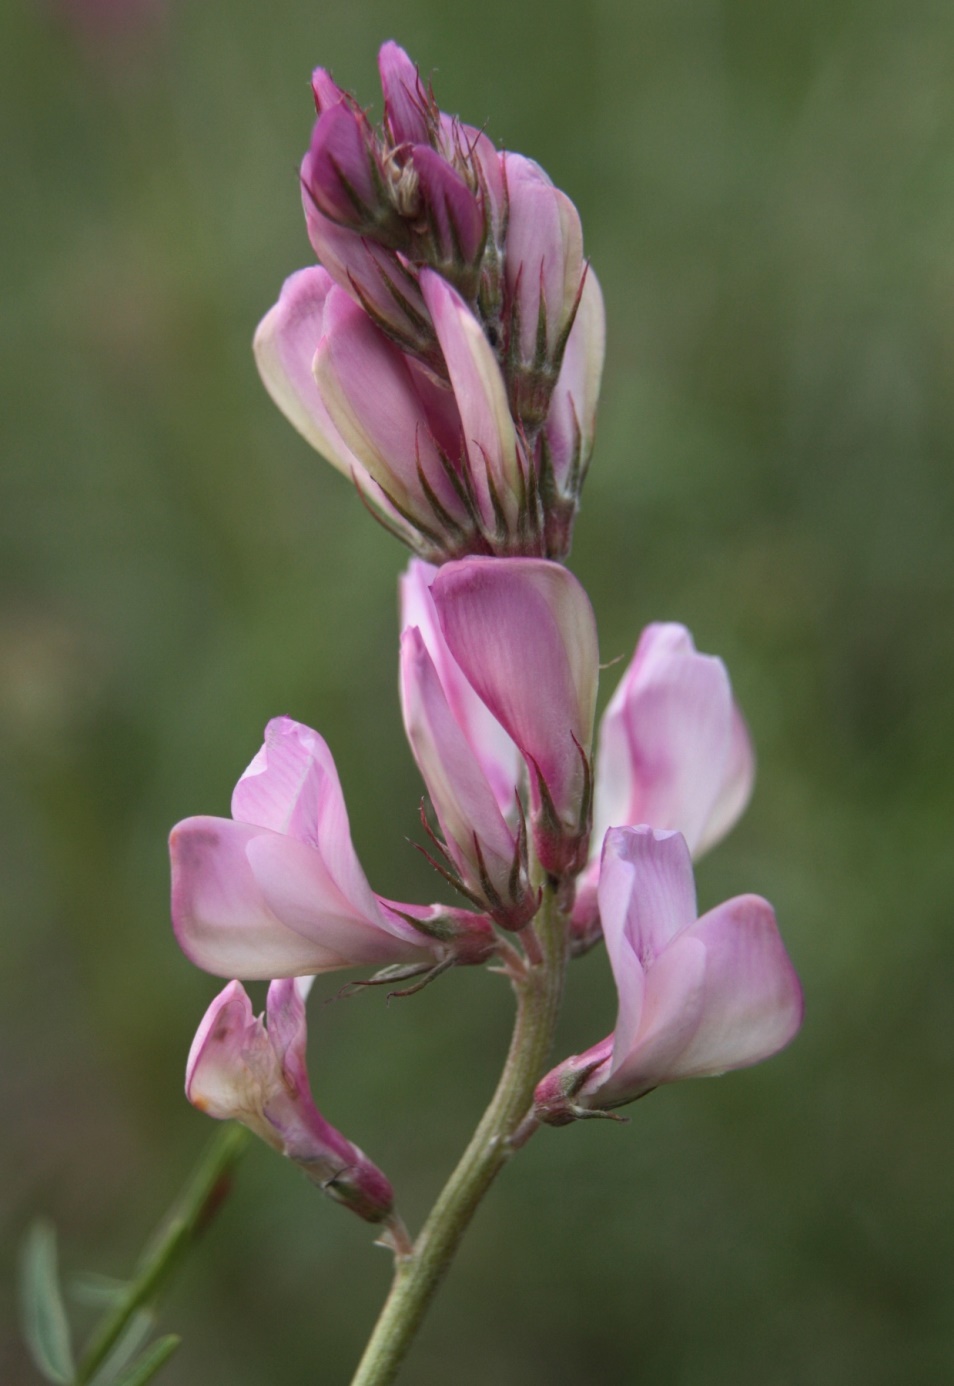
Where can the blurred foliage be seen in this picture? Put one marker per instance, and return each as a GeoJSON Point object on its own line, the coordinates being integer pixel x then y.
{"type": "Point", "coordinates": [768, 197]}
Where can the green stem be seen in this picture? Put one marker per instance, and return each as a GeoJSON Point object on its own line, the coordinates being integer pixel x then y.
{"type": "Point", "coordinates": [173, 1239]}
{"type": "Point", "coordinates": [418, 1275]}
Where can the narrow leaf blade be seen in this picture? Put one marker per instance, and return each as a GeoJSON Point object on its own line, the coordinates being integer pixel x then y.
{"type": "Point", "coordinates": [152, 1360]}
{"type": "Point", "coordinates": [45, 1325]}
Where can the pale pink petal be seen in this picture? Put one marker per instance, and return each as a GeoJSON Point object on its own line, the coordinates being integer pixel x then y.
{"type": "Point", "coordinates": [221, 919]}
{"type": "Point", "coordinates": [481, 396]}
{"type": "Point", "coordinates": [571, 420]}
{"type": "Point", "coordinates": [217, 1077]}
{"type": "Point", "coordinates": [666, 738]}
{"type": "Point", "coordinates": [301, 887]}
{"type": "Point", "coordinates": [369, 391]}
{"type": "Point", "coordinates": [672, 1012]}
{"type": "Point", "coordinates": [463, 800]}
{"type": "Point", "coordinates": [753, 999]}
{"type": "Point", "coordinates": [646, 897]}
{"type": "Point", "coordinates": [285, 345]}
{"type": "Point", "coordinates": [288, 1027]}
{"type": "Point", "coordinates": [494, 750]}
{"type": "Point", "coordinates": [292, 787]}
{"type": "Point", "coordinates": [737, 784]}
{"type": "Point", "coordinates": [544, 261]}
{"type": "Point", "coordinates": [523, 632]}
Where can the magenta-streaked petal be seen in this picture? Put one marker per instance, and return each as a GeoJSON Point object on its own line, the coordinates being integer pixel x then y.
{"type": "Point", "coordinates": [523, 632]}
{"type": "Point", "coordinates": [288, 1027]}
{"type": "Point", "coordinates": [285, 345]}
{"type": "Point", "coordinates": [494, 750]}
{"type": "Point", "coordinates": [753, 999]}
{"type": "Point", "coordinates": [368, 272]}
{"type": "Point", "coordinates": [571, 421]}
{"type": "Point", "coordinates": [665, 738]}
{"type": "Point", "coordinates": [488, 165]}
{"type": "Point", "coordinates": [405, 99]}
{"type": "Point", "coordinates": [221, 918]}
{"type": "Point", "coordinates": [369, 391]}
{"type": "Point", "coordinates": [481, 395]}
{"type": "Point", "coordinates": [341, 176]}
{"type": "Point", "coordinates": [452, 209]}
{"type": "Point", "coordinates": [544, 261]}
{"type": "Point", "coordinates": [325, 89]}
{"type": "Point", "coordinates": [463, 800]}
{"type": "Point", "coordinates": [737, 784]}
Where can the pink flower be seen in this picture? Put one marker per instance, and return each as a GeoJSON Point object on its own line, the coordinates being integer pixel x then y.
{"type": "Point", "coordinates": [467, 761]}
{"type": "Point", "coordinates": [516, 640]}
{"type": "Point", "coordinates": [696, 996]}
{"type": "Point", "coordinates": [523, 633]}
{"type": "Point", "coordinates": [240, 1070]}
{"type": "Point", "coordinates": [277, 890]}
{"type": "Point", "coordinates": [674, 752]}
{"type": "Point", "coordinates": [449, 355]}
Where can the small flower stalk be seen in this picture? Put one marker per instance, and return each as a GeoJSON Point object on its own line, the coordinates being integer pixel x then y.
{"type": "Point", "coordinates": [447, 353]}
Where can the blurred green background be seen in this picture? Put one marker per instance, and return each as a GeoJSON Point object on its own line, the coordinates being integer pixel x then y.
{"type": "Point", "coordinates": [768, 197]}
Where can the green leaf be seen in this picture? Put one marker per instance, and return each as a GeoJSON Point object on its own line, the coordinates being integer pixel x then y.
{"type": "Point", "coordinates": [154, 1358]}
{"type": "Point", "coordinates": [95, 1291]}
{"type": "Point", "coordinates": [137, 1330]}
{"type": "Point", "coordinates": [45, 1325]}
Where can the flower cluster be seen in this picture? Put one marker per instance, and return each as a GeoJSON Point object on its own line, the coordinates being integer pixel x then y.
{"type": "Point", "coordinates": [447, 351]}
{"type": "Point", "coordinates": [447, 354]}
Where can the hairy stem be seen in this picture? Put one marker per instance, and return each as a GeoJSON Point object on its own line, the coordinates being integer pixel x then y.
{"type": "Point", "coordinates": [418, 1275]}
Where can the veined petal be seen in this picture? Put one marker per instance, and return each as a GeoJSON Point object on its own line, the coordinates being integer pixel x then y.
{"type": "Point", "coordinates": [646, 897]}
{"type": "Point", "coordinates": [369, 392]}
{"type": "Point", "coordinates": [481, 395]}
{"type": "Point", "coordinates": [451, 207]}
{"type": "Point", "coordinates": [343, 179]}
{"type": "Point", "coordinates": [736, 789]}
{"type": "Point", "coordinates": [371, 274]}
{"type": "Point", "coordinates": [470, 820]}
{"type": "Point", "coordinates": [671, 742]}
{"type": "Point", "coordinates": [673, 1008]}
{"type": "Point", "coordinates": [325, 89]}
{"type": "Point", "coordinates": [406, 103]}
{"type": "Point", "coordinates": [753, 1002]}
{"type": "Point", "coordinates": [285, 345]}
{"type": "Point", "coordinates": [238, 1069]}
{"type": "Point", "coordinates": [571, 420]}
{"type": "Point", "coordinates": [219, 1078]}
{"type": "Point", "coordinates": [544, 260]}
{"type": "Point", "coordinates": [292, 787]}
{"type": "Point", "coordinates": [242, 896]}
{"type": "Point", "coordinates": [494, 750]}
{"type": "Point", "coordinates": [523, 632]}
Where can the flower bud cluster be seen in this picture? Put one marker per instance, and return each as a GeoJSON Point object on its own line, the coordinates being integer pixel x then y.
{"type": "Point", "coordinates": [452, 277]}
